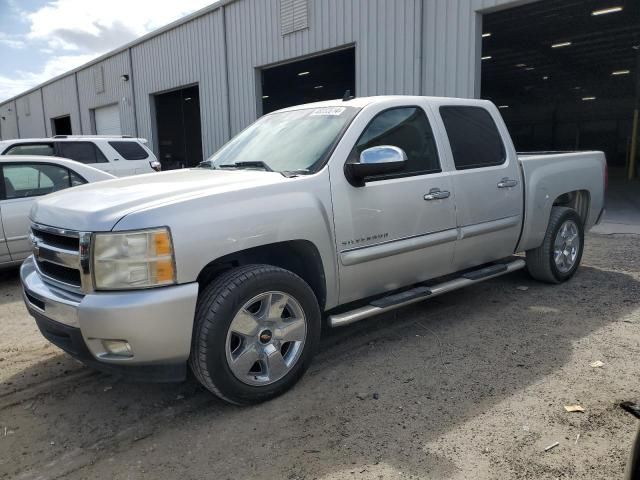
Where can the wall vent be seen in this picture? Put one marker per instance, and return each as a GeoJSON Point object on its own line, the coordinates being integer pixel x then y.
{"type": "Point", "coordinates": [294, 15]}
{"type": "Point", "coordinates": [98, 79]}
{"type": "Point", "coordinates": [26, 105]}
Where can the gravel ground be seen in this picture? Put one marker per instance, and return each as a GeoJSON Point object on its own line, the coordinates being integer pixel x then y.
{"type": "Point", "coordinates": [471, 384]}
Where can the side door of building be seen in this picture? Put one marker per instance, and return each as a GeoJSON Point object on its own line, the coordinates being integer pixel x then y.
{"type": "Point", "coordinates": [84, 152]}
{"type": "Point", "coordinates": [394, 230]}
{"type": "Point", "coordinates": [486, 179]}
{"type": "Point", "coordinates": [23, 183]}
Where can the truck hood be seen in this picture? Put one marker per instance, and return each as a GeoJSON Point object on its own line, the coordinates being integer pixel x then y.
{"type": "Point", "coordinates": [99, 206]}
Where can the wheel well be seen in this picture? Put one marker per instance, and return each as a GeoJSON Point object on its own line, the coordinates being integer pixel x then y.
{"type": "Point", "coordinates": [579, 200]}
{"type": "Point", "coordinates": [298, 256]}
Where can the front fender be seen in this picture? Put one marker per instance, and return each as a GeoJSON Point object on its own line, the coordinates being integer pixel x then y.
{"type": "Point", "coordinates": [213, 226]}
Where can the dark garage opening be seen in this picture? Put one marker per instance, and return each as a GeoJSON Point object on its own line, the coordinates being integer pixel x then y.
{"type": "Point", "coordinates": [564, 74]}
{"type": "Point", "coordinates": [323, 77]}
{"type": "Point", "coordinates": [61, 125]}
{"type": "Point", "coordinates": [178, 128]}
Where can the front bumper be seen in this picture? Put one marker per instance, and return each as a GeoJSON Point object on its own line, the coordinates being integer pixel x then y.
{"type": "Point", "coordinates": [157, 324]}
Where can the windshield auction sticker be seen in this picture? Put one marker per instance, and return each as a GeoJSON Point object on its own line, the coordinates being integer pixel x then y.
{"type": "Point", "coordinates": [329, 111]}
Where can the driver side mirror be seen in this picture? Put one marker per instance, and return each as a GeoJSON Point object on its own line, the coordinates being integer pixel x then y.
{"type": "Point", "coordinates": [375, 161]}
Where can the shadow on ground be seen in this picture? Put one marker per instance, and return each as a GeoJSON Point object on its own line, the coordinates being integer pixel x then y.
{"type": "Point", "coordinates": [9, 282]}
{"type": "Point", "coordinates": [431, 366]}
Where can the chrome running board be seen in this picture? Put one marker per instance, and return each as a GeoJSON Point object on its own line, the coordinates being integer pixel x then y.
{"type": "Point", "coordinates": [418, 294]}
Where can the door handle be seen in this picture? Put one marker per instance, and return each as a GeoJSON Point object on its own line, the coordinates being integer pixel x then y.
{"type": "Point", "coordinates": [506, 182]}
{"type": "Point", "coordinates": [436, 194]}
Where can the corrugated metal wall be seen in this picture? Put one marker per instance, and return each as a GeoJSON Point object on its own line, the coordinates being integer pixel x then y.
{"type": "Point", "coordinates": [192, 53]}
{"type": "Point", "coordinates": [60, 98]}
{"type": "Point", "coordinates": [452, 45]}
{"type": "Point", "coordinates": [386, 35]}
{"type": "Point", "coordinates": [29, 109]}
{"type": "Point", "coordinates": [115, 91]}
{"type": "Point", "coordinates": [428, 47]}
{"type": "Point", "coordinates": [8, 120]}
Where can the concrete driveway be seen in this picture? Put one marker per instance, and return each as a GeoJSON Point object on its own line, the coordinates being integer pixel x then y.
{"type": "Point", "coordinates": [622, 207]}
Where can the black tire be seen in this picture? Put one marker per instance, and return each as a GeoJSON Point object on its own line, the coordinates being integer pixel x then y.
{"type": "Point", "coordinates": [540, 261]}
{"type": "Point", "coordinates": [217, 305]}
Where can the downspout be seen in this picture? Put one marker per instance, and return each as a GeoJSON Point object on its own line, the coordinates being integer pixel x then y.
{"type": "Point", "coordinates": [75, 79]}
{"type": "Point", "coordinates": [15, 109]}
{"type": "Point", "coordinates": [44, 115]}
{"type": "Point", "coordinates": [133, 94]}
{"type": "Point", "coordinates": [421, 50]}
{"type": "Point", "coordinates": [477, 42]}
{"type": "Point", "coordinates": [226, 69]}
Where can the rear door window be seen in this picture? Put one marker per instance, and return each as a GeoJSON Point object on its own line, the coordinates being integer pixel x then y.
{"type": "Point", "coordinates": [34, 179]}
{"type": "Point", "coordinates": [83, 152]}
{"type": "Point", "coordinates": [75, 179]}
{"type": "Point", "coordinates": [474, 137]}
{"type": "Point", "coordinates": [130, 150]}
{"type": "Point", "coordinates": [31, 149]}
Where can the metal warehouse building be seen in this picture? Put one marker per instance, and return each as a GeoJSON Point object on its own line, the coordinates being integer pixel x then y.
{"type": "Point", "coordinates": [565, 72]}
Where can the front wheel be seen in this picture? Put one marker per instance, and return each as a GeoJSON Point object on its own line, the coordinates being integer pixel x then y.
{"type": "Point", "coordinates": [558, 258]}
{"type": "Point", "coordinates": [256, 330]}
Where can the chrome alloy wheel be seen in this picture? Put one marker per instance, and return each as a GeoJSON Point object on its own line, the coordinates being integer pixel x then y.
{"type": "Point", "coordinates": [266, 338]}
{"type": "Point", "coordinates": [566, 246]}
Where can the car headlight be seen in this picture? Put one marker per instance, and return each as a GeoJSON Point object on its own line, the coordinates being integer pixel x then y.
{"type": "Point", "coordinates": [137, 259]}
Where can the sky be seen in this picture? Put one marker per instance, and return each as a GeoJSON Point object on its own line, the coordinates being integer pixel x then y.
{"type": "Point", "coordinates": [40, 39]}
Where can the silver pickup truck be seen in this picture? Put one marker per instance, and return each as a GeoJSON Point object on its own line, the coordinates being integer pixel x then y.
{"type": "Point", "coordinates": [335, 211]}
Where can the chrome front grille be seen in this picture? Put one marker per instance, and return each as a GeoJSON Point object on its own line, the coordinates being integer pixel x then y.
{"type": "Point", "coordinates": [62, 256]}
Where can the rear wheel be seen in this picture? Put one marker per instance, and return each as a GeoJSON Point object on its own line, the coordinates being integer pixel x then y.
{"type": "Point", "coordinates": [256, 330]}
{"type": "Point", "coordinates": [558, 258]}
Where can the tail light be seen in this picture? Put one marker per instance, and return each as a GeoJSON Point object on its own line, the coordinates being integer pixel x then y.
{"type": "Point", "coordinates": [156, 165]}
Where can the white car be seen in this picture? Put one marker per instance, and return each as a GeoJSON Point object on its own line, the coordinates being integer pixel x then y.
{"type": "Point", "coordinates": [26, 177]}
{"type": "Point", "coordinates": [121, 156]}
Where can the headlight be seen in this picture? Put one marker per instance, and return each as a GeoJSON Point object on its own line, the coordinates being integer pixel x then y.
{"type": "Point", "coordinates": [130, 260]}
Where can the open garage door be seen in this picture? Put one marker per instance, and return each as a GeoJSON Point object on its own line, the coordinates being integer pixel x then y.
{"type": "Point", "coordinates": [321, 77]}
{"type": "Point", "coordinates": [564, 74]}
{"type": "Point", "coordinates": [178, 129]}
{"type": "Point", "coordinates": [108, 120]}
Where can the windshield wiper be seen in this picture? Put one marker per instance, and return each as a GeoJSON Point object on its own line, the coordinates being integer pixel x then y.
{"type": "Point", "coordinates": [251, 164]}
{"type": "Point", "coordinates": [295, 173]}
{"type": "Point", "coordinates": [206, 164]}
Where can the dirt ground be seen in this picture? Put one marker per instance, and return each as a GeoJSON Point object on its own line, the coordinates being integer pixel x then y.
{"type": "Point", "coordinates": [471, 384]}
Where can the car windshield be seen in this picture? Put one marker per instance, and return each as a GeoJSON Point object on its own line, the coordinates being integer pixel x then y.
{"type": "Point", "coordinates": [294, 141]}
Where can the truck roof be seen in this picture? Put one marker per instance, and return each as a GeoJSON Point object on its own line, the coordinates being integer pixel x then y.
{"type": "Point", "coordinates": [59, 138]}
{"type": "Point", "coordinates": [361, 102]}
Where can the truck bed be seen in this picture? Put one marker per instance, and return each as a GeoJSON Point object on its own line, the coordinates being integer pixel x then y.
{"type": "Point", "coordinates": [547, 176]}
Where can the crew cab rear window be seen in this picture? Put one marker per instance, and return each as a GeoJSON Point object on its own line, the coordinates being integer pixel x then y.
{"type": "Point", "coordinates": [83, 152]}
{"type": "Point", "coordinates": [130, 150]}
{"type": "Point", "coordinates": [407, 128]}
{"type": "Point", "coordinates": [31, 149]}
{"type": "Point", "coordinates": [474, 137]}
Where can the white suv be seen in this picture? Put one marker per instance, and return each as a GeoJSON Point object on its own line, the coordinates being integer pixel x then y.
{"type": "Point", "coordinates": [119, 155]}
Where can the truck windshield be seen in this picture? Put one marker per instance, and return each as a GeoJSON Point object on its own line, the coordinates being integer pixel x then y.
{"type": "Point", "coordinates": [295, 141]}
